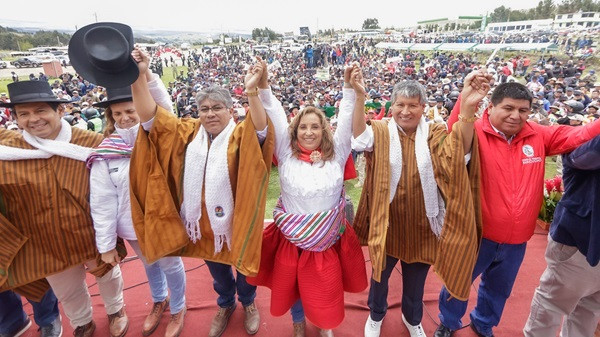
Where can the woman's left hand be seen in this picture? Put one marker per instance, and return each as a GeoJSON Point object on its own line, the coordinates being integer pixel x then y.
{"type": "Point", "coordinates": [357, 81]}
{"type": "Point", "coordinates": [253, 76]}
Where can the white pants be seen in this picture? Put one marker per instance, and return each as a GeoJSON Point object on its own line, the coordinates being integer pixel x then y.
{"type": "Point", "coordinates": [570, 289]}
{"type": "Point", "coordinates": [71, 290]}
{"type": "Point", "coordinates": [361, 162]}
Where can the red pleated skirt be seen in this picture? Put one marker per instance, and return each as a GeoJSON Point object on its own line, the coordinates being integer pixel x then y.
{"type": "Point", "coordinates": [319, 279]}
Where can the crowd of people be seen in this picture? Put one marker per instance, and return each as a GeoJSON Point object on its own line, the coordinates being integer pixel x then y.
{"type": "Point", "coordinates": [159, 169]}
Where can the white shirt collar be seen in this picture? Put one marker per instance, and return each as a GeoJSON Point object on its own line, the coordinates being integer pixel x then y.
{"type": "Point", "coordinates": [502, 134]}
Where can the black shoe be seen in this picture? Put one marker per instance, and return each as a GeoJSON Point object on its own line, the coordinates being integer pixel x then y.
{"type": "Point", "coordinates": [443, 331]}
{"type": "Point", "coordinates": [479, 334]}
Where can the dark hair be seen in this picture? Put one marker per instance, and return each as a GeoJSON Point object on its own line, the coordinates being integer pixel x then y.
{"type": "Point", "coordinates": [53, 105]}
{"type": "Point", "coordinates": [512, 90]}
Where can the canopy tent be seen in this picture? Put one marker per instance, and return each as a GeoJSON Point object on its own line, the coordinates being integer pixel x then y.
{"type": "Point", "coordinates": [425, 46]}
{"type": "Point", "coordinates": [456, 46]}
{"type": "Point", "coordinates": [547, 46]}
{"type": "Point", "coordinates": [394, 45]}
{"type": "Point", "coordinates": [533, 46]}
{"type": "Point", "coordinates": [490, 46]}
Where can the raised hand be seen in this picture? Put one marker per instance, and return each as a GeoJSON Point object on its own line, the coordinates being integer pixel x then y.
{"type": "Point", "coordinates": [348, 75]}
{"type": "Point", "coordinates": [142, 59]}
{"type": "Point", "coordinates": [253, 76]}
{"type": "Point", "coordinates": [264, 79]}
{"type": "Point", "coordinates": [357, 81]}
{"type": "Point", "coordinates": [476, 87]}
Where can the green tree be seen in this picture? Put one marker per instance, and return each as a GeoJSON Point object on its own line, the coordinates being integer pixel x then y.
{"type": "Point", "coordinates": [548, 9]}
{"type": "Point", "coordinates": [256, 33]}
{"type": "Point", "coordinates": [537, 11]}
{"type": "Point", "coordinates": [25, 45]}
{"type": "Point", "coordinates": [266, 33]}
{"type": "Point", "coordinates": [371, 23]}
{"type": "Point", "coordinates": [500, 14]}
{"type": "Point", "coordinates": [571, 6]}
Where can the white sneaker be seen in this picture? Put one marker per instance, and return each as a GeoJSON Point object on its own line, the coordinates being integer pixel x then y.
{"type": "Point", "coordinates": [415, 330]}
{"type": "Point", "coordinates": [372, 328]}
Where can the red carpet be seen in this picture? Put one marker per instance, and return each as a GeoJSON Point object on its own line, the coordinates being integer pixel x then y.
{"type": "Point", "coordinates": [201, 302]}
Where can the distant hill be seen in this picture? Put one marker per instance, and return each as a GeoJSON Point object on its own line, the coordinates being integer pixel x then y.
{"type": "Point", "coordinates": [142, 35]}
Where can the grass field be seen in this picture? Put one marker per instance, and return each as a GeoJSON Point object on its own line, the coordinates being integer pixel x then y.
{"type": "Point", "coordinates": [3, 83]}
{"type": "Point", "coordinates": [169, 75]}
{"type": "Point", "coordinates": [353, 192]}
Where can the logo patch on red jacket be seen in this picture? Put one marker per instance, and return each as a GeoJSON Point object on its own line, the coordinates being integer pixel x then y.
{"type": "Point", "coordinates": [529, 152]}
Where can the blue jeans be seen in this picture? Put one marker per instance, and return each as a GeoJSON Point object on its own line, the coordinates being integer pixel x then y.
{"type": "Point", "coordinates": [167, 272]}
{"type": "Point", "coordinates": [413, 286]}
{"type": "Point", "coordinates": [498, 265]}
{"type": "Point", "coordinates": [227, 286]}
{"type": "Point", "coordinates": [297, 312]}
{"type": "Point", "coordinates": [12, 315]}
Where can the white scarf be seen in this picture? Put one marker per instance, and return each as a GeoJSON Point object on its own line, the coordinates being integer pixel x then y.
{"type": "Point", "coordinates": [435, 207]}
{"type": "Point", "coordinates": [46, 148]}
{"type": "Point", "coordinates": [217, 187]}
{"type": "Point", "coordinates": [128, 135]}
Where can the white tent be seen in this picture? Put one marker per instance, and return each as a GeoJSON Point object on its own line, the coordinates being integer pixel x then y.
{"type": "Point", "coordinates": [424, 46]}
{"type": "Point", "coordinates": [393, 45]}
{"type": "Point", "coordinates": [456, 46]}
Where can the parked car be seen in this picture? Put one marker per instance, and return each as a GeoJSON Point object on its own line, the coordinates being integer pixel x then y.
{"type": "Point", "coordinates": [292, 47]}
{"type": "Point", "coordinates": [3, 64]}
{"type": "Point", "coordinates": [260, 48]}
{"type": "Point", "coordinates": [64, 58]}
{"type": "Point", "coordinates": [212, 49]}
{"type": "Point", "coordinates": [26, 62]}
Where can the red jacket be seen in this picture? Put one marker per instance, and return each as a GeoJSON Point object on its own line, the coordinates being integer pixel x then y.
{"type": "Point", "coordinates": [512, 175]}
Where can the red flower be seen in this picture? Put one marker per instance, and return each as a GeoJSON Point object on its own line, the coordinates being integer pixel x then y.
{"type": "Point", "coordinates": [549, 185]}
{"type": "Point", "coordinates": [558, 183]}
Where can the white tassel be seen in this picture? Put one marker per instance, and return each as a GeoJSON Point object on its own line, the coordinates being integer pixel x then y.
{"type": "Point", "coordinates": [193, 230]}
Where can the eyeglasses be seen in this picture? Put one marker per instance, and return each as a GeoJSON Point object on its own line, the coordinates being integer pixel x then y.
{"type": "Point", "coordinates": [215, 109]}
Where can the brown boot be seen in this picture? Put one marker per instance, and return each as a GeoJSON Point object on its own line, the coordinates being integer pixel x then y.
{"type": "Point", "coordinates": [85, 330]}
{"type": "Point", "coordinates": [118, 323]}
{"type": "Point", "coordinates": [252, 320]}
{"type": "Point", "coordinates": [175, 325]}
{"type": "Point", "coordinates": [325, 333]}
{"type": "Point", "coordinates": [300, 329]}
{"type": "Point", "coordinates": [219, 323]}
{"type": "Point", "coordinates": [153, 318]}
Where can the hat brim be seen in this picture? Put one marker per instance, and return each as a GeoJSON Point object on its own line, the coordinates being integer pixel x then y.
{"type": "Point", "coordinates": [33, 100]}
{"type": "Point", "coordinates": [108, 102]}
{"type": "Point", "coordinates": [81, 62]}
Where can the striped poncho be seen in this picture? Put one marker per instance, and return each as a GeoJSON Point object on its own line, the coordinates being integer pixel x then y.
{"type": "Point", "coordinates": [400, 228]}
{"type": "Point", "coordinates": [156, 168]}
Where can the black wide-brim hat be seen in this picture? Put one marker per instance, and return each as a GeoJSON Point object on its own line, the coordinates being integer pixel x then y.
{"type": "Point", "coordinates": [101, 54]}
{"type": "Point", "coordinates": [30, 92]}
{"type": "Point", "coordinates": [115, 95]}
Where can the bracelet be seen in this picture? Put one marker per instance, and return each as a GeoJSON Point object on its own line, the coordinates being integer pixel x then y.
{"type": "Point", "coordinates": [252, 93]}
{"type": "Point", "coordinates": [466, 120]}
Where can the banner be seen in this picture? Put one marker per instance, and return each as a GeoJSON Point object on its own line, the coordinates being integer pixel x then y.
{"type": "Point", "coordinates": [323, 74]}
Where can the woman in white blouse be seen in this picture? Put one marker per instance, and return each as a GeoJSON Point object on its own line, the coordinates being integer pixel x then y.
{"type": "Point", "coordinates": [310, 254]}
{"type": "Point", "coordinates": [111, 207]}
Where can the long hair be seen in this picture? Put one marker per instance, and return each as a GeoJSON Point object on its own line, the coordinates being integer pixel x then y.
{"type": "Point", "coordinates": [327, 152]}
{"type": "Point", "coordinates": [110, 122]}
